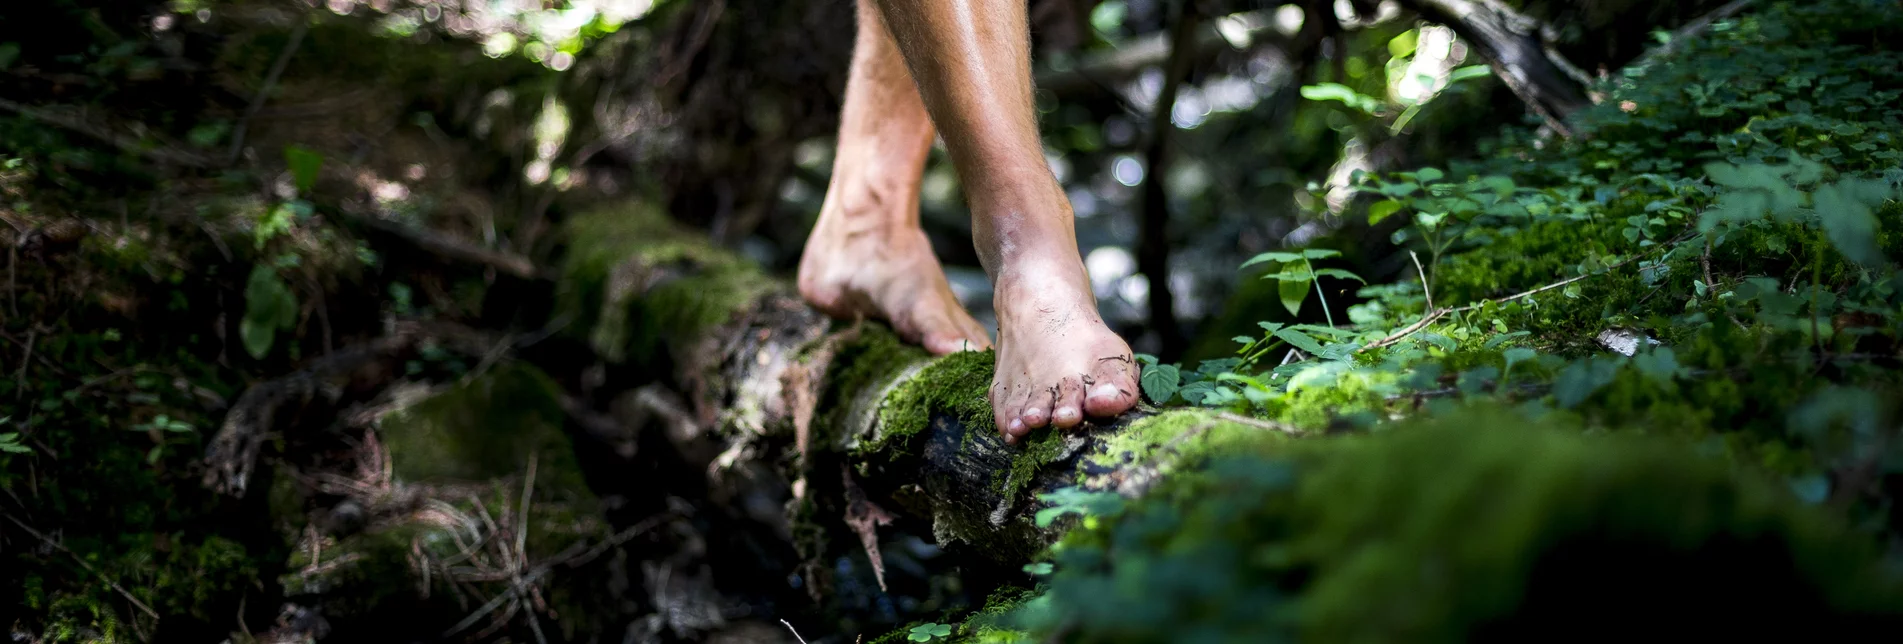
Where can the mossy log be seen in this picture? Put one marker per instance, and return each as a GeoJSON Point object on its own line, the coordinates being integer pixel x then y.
{"type": "Point", "coordinates": [773, 384]}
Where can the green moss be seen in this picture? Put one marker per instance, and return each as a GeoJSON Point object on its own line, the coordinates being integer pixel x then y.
{"type": "Point", "coordinates": [1473, 524]}
{"type": "Point", "coordinates": [485, 429]}
{"type": "Point", "coordinates": [1044, 446]}
{"type": "Point", "coordinates": [78, 618]}
{"type": "Point", "coordinates": [956, 384]}
{"type": "Point", "coordinates": [635, 281]}
{"type": "Point", "coordinates": [861, 371]}
{"type": "Point", "coordinates": [1183, 437]}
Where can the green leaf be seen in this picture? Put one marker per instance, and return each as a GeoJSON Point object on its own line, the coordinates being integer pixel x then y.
{"type": "Point", "coordinates": [1195, 392]}
{"type": "Point", "coordinates": [304, 164]}
{"type": "Point", "coordinates": [1039, 568]}
{"type": "Point", "coordinates": [1580, 379]}
{"type": "Point", "coordinates": [1320, 253]}
{"type": "Point", "coordinates": [269, 307]}
{"type": "Point", "coordinates": [1339, 274]}
{"type": "Point", "coordinates": [1518, 355]}
{"type": "Point", "coordinates": [1660, 364]}
{"type": "Point", "coordinates": [257, 338]}
{"type": "Point", "coordinates": [1445, 343]}
{"type": "Point", "coordinates": [1271, 257]}
{"type": "Point", "coordinates": [1293, 292]}
{"type": "Point", "coordinates": [1382, 209]}
{"type": "Point", "coordinates": [1844, 208]}
{"type": "Point", "coordinates": [1160, 382]}
{"type": "Point", "coordinates": [1077, 501]}
{"type": "Point", "coordinates": [1300, 340]}
{"type": "Point", "coordinates": [1425, 175]}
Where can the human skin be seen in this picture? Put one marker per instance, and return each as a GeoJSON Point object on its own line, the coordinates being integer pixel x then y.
{"type": "Point", "coordinates": [867, 257]}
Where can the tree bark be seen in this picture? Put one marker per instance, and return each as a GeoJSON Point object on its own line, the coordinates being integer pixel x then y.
{"type": "Point", "coordinates": [1516, 49]}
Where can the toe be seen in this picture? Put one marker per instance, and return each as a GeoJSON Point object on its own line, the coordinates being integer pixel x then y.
{"type": "Point", "coordinates": [946, 343]}
{"type": "Point", "coordinates": [1005, 414]}
{"type": "Point", "coordinates": [1112, 392]}
{"type": "Point", "coordinates": [1014, 431]}
{"type": "Point", "coordinates": [1034, 416]}
{"type": "Point", "coordinates": [1068, 411]}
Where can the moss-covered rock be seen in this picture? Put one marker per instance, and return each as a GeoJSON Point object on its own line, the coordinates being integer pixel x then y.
{"type": "Point", "coordinates": [634, 281]}
{"type": "Point", "coordinates": [483, 488]}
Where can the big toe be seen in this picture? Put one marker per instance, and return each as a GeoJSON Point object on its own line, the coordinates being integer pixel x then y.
{"type": "Point", "coordinates": [1112, 392]}
{"type": "Point", "coordinates": [945, 328]}
{"type": "Point", "coordinates": [945, 343]}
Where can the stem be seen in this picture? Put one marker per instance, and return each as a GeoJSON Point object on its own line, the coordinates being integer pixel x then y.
{"type": "Point", "coordinates": [1316, 280]}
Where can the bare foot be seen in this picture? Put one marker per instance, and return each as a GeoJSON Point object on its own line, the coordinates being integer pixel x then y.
{"type": "Point", "coordinates": [852, 268]}
{"type": "Point", "coordinates": [1057, 362]}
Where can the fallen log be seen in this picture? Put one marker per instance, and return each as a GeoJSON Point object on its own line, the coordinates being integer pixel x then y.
{"type": "Point", "coordinates": [771, 381]}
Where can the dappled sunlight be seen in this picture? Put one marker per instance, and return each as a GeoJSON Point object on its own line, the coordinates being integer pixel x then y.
{"type": "Point", "coordinates": [550, 35]}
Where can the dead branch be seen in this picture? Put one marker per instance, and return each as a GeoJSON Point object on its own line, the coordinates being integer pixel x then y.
{"type": "Point", "coordinates": [452, 248]}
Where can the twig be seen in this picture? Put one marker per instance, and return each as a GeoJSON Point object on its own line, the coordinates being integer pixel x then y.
{"type": "Point", "coordinates": [1259, 423]}
{"type": "Point", "coordinates": [19, 378]}
{"type": "Point", "coordinates": [13, 279]}
{"type": "Point", "coordinates": [1435, 314]}
{"type": "Point", "coordinates": [522, 522]}
{"type": "Point", "coordinates": [1425, 320]}
{"type": "Point", "coordinates": [125, 143]}
{"type": "Point", "coordinates": [1422, 272]}
{"type": "Point", "coordinates": [82, 563]}
{"type": "Point", "coordinates": [796, 633]}
{"type": "Point", "coordinates": [538, 571]}
{"type": "Point", "coordinates": [264, 91]}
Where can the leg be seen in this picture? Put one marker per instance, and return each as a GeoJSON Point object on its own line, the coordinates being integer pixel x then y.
{"type": "Point", "coordinates": [1056, 359]}
{"type": "Point", "coordinates": [867, 255]}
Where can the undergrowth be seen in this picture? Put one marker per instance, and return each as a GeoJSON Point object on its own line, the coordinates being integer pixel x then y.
{"type": "Point", "coordinates": [1707, 273]}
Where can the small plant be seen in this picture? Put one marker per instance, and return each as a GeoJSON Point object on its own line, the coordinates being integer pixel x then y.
{"type": "Point", "coordinates": [1298, 275]}
{"type": "Point", "coordinates": [929, 632]}
{"type": "Point", "coordinates": [10, 441]}
{"type": "Point", "coordinates": [163, 423]}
